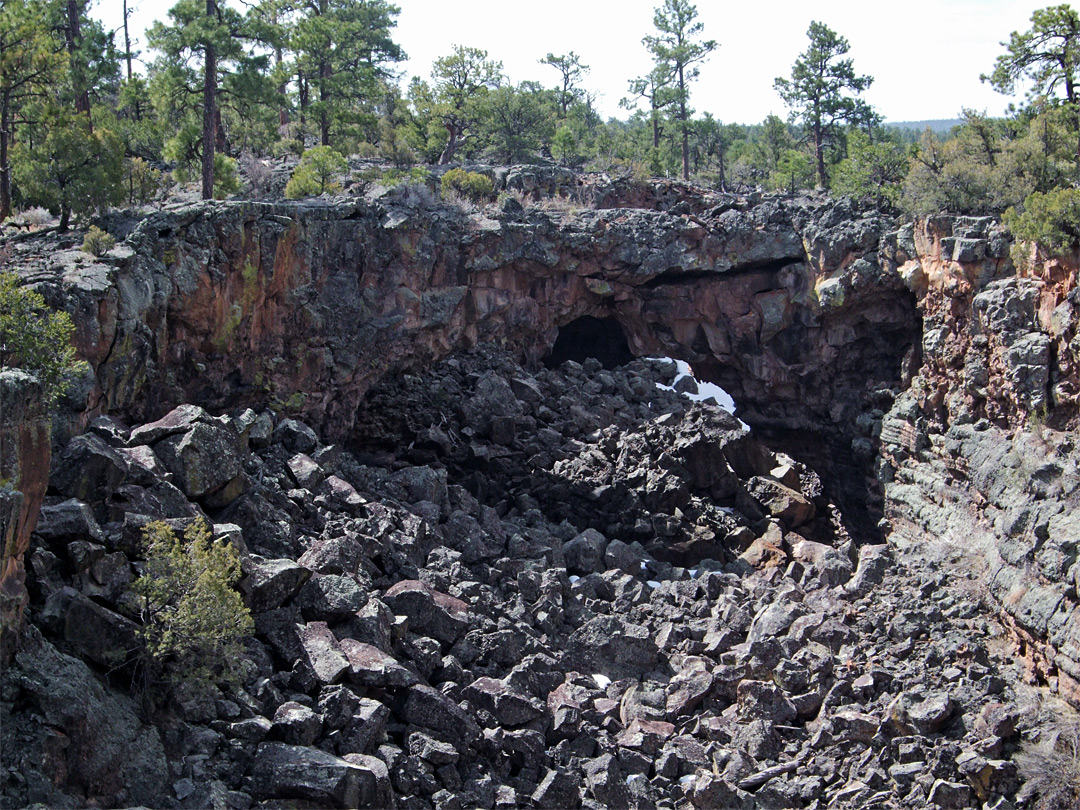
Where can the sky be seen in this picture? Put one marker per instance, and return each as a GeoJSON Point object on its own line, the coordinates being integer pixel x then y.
{"type": "Point", "coordinates": [925, 55]}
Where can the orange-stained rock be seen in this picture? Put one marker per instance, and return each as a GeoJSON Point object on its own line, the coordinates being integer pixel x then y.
{"type": "Point", "coordinates": [25, 452]}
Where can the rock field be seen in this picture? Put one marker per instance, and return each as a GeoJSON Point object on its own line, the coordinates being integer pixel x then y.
{"type": "Point", "coordinates": [515, 587]}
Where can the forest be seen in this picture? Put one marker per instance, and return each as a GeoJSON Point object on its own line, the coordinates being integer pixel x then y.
{"type": "Point", "coordinates": [225, 92]}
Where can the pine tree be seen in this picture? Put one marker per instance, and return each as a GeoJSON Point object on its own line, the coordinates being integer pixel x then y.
{"type": "Point", "coordinates": [31, 62]}
{"type": "Point", "coordinates": [204, 39]}
{"type": "Point", "coordinates": [817, 92]}
{"type": "Point", "coordinates": [655, 88]}
{"type": "Point", "coordinates": [572, 71]}
{"type": "Point", "coordinates": [678, 55]}
{"type": "Point", "coordinates": [1047, 55]}
{"type": "Point", "coordinates": [73, 169]}
{"type": "Point", "coordinates": [461, 80]}
{"type": "Point", "coordinates": [342, 49]}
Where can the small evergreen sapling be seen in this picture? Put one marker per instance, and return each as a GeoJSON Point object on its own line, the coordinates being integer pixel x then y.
{"type": "Point", "coordinates": [316, 173]}
{"type": "Point", "coordinates": [193, 617]}
{"type": "Point", "coordinates": [97, 242]}
{"type": "Point", "coordinates": [36, 339]}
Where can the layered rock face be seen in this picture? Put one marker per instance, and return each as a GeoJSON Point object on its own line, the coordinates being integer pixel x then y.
{"type": "Point", "coordinates": [980, 450]}
{"type": "Point", "coordinates": [483, 583]}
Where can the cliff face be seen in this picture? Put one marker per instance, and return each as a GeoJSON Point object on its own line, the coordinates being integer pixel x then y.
{"type": "Point", "coordinates": [234, 303]}
{"type": "Point", "coordinates": [979, 452]}
{"type": "Point", "coordinates": [428, 588]}
{"type": "Point", "coordinates": [24, 478]}
{"type": "Point", "coordinates": [239, 304]}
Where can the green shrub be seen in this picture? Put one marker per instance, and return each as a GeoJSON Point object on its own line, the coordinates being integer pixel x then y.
{"type": "Point", "coordinates": [226, 179]}
{"type": "Point", "coordinates": [193, 618]}
{"type": "Point", "coordinates": [35, 338]}
{"type": "Point", "coordinates": [97, 241]}
{"type": "Point", "coordinates": [316, 173]}
{"type": "Point", "coordinates": [391, 178]}
{"type": "Point", "coordinates": [1050, 220]}
{"type": "Point", "coordinates": [473, 185]}
{"type": "Point", "coordinates": [144, 181]}
{"type": "Point", "coordinates": [564, 147]}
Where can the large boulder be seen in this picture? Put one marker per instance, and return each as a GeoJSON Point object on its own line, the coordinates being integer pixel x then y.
{"type": "Point", "coordinates": [430, 612]}
{"type": "Point", "coordinates": [204, 460]}
{"type": "Point", "coordinates": [80, 744]}
{"type": "Point", "coordinates": [610, 646]}
{"type": "Point", "coordinates": [283, 771]}
{"type": "Point", "coordinates": [88, 469]}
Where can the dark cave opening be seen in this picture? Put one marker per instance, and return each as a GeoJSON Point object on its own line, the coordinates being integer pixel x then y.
{"type": "Point", "coordinates": [588, 336]}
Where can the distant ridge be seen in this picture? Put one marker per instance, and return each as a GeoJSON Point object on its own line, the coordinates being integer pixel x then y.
{"type": "Point", "coordinates": [940, 126]}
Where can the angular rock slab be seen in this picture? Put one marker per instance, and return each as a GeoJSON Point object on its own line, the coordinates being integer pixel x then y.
{"type": "Point", "coordinates": [283, 771]}
{"type": "Point", "coordinates": [430, 612]}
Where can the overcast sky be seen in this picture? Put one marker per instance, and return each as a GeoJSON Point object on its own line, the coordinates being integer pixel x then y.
{"type": "Point", "coordinates": [925, 55]}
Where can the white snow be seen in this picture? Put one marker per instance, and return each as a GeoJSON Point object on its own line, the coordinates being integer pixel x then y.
{"type": "Point", "coordinates": [652, 583]}
{"type": "Point", "coordinates": [603, 681]}
{"type": "Point", "coordinates": [705, 389]}
{"type": "Point", "coordinates": [687, 781]}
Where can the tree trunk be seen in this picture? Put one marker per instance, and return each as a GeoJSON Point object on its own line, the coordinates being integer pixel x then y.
{"type": "Point", "coordinates": [303, 94]}
{"type": "Point", "coordinates": [1070, 96]}
{"type": "Point", "coordinates": [74, 34]}
{"type": "Point", "coordinates": [451, 145]}
{"type": "Point", "coordinates": [127, 43]}
{"type": "Point", "coordinates": [324, 99]}
{"type": "Point", "coordinates": [282, 90]}
{"type": "Point", "coordinates": [5, 167]}
{"type": "Point", "coordinates": [723, 180]}
{"type": "Point", "coordinates": [819, 153]}
{"type": "Point", "coordinates": [209, 133]}
{"type": "Point", "coordinates": [655, 128]}
{"type": "Point", "coordinates": [685, 130]}
{"type": "Point", "coordinates": [65, 218]}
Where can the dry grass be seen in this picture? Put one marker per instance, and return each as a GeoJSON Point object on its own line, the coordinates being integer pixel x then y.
{"type": "Point", "coordinates": [458, 200]}
{"type": "Point", "coordinates": [558, 204]}
{"type": "Point", "coordinates": [1049, 759]}
{"type": "Point", "coordinates": [37, 217]}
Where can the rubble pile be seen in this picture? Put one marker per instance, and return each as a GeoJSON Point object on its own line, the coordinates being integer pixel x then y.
{"type": "Point", "coordinates": [509, 587]}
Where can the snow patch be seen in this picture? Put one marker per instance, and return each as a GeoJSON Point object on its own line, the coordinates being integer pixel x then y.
{"type": "Point", "coordinates": [603, 681]}
{"type": "Point", "coordinates": [705, 389]}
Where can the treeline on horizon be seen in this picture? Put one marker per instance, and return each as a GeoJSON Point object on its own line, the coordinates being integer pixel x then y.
{"type": "Point", "coordinates": [82, 131]}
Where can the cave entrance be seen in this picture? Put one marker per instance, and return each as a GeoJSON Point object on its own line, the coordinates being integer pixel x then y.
{"type": "Point", "coordinates": [588, 336]}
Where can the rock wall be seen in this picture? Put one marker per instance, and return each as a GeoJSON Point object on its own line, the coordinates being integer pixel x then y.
{"type": "Point", "coordinates": [25, 451]}
{"type": "Point", "coordinates": [979, 452]}
{"type": "Point", "coordinates": [307, 305]}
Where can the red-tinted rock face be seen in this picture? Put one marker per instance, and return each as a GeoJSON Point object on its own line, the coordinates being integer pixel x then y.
{"type": "Point", "coordinates": [226, 304]}
{"type": "Point", "coordinates": [780, 301]}
{"type": "Point", "coordinates": [24, 477]}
